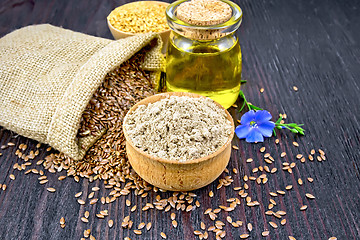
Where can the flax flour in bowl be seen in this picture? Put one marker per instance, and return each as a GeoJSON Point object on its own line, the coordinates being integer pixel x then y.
{"type": "Point", "coordinates": [178, 141]}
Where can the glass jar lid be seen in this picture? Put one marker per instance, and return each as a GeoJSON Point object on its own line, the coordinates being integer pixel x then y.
{"type": "Point", "coordinates": [204, 19]}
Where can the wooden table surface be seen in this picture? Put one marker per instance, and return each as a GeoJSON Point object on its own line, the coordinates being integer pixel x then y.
{"type": "Point", "coordinates": [313, 45]}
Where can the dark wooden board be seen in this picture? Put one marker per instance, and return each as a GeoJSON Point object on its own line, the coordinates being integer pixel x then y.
{"type": "Point", "coordinates": [313, 45]}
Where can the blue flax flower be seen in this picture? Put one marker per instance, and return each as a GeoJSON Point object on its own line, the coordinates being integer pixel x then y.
{"type": "Point", "coordinates": [255, 126]}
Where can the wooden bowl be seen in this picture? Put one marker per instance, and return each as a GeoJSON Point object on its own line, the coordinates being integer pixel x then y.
{"type": "Point", "coordinates": [174, 175]}
{"type": "Point", "coordinates": [118, 34]}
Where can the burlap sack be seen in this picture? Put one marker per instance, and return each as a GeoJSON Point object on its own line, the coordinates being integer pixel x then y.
{"type": "Point", "coordinates": [49, 74]}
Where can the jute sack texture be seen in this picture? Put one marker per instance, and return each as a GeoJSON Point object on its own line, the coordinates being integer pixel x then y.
{"type": "Point", "coordinates": [48, 75]}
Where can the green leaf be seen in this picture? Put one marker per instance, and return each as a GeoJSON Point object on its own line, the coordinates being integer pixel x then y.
{"type": "Point", "coordinates": [294, 130]}
{"type": "Point", "coordinates": [254, 107]}
{"type": "Point", "coordinates": [243, 81]}
{"type": "Point", "coordinates": [279, 120]}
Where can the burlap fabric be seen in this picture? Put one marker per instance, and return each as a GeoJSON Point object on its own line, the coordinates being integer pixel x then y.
{"type": "Point", "coordinates": [49, 74]}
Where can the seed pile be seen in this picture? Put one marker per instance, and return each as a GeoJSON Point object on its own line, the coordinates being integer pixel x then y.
{"type": "Point", "coordinates": [106, 160]}
{"type": "Point", "coordinates": [139, 17]}
{"type": "Point", "coordinates": [179, 128]}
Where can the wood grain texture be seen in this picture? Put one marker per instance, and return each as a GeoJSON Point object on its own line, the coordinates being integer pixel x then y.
{"type": "Point", "coordinates": [313, 45]}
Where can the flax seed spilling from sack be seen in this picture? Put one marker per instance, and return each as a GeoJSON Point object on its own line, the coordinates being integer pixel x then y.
{"type": "Point", "coordinates": [106, 159]}
{"type": "Point", "coordinates": [179, 128]}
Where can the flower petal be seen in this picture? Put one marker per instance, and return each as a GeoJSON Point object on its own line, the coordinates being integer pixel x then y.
{"type": "Point", "coordinates": [266, 128]}
{"type": "Point", "coordinates": [262, 116]}
{"type": "Point", "coordinates": [242, 131]}
{"type": "Point", "coordinates": [254, 136]}
{"type": "Point", "coordinates": [248, 117]}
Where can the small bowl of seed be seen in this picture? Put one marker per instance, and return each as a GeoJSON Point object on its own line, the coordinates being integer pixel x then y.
{"type": "Point", "coordinates": [138, 18]}
{"type": "Point", "coordinates": [178, 141]}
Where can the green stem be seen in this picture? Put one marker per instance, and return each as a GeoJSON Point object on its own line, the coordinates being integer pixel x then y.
{"type": "Point", "coordinates": [249, 105]}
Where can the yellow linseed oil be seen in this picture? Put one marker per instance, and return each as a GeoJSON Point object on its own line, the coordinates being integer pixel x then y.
{"type": "Point", "coordinates": [208, 69]}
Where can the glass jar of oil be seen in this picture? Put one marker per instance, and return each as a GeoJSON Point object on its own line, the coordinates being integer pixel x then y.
{"type": "Point", "coordinates": [202, 58]}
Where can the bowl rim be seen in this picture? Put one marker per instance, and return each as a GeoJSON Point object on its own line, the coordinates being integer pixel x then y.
{"type": "Point", "coordinates": [176, 162]}
{"type": "Point", "coordinates": [133, 3]}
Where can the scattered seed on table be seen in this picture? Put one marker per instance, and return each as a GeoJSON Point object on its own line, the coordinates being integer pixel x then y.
{"type": "Point", "coordinates": [172, 216]}
{"type": "Point", "coordinates": [174, 223]}
{"type": "Point", "coordinates": [92, 237]}
{"type": "Point", "coordinates": [283, 222]}
{"type": "Point", "coordinates": [148, 226]}
{"type": "Point", "coordinates": [265, 233]}
{"type": "Point", "coordinates": [280, 192]}
{"type": "Point", "coordinates": [295, 88]}
{"type": "Point", "coordinates": [273, 194]}
{"type": "Point", "coordinates": [86, 214]}
{"type": "Point", "coordinates": [85, 220]}
{"type": "Point", "coordinates": [78, 194]}
{"type": "Point", "coordinates": [274, 225]}
{"type": "Point", "coordinates": [141, 225]}
{"type": "Point", "coordinates": [292, 238]}
{"type": "Point", "coordinates": [211, 194]}
{"type": "Point", "coordinates": [163, 235]}
{"type": "Point", "coordinates": [283, 154]}
{"type": "Point", "coordinates": [304, 207]}
{"type": "Point", "coordinates": [310, 196]}
{"type": "Point", "coordinates": [91, 195]}
{"type": "Point", "coordinates": [310, 179]}
{"type": "Point", "coordinates": [43, 181]}
{"type": "Point", "coordinates": [4, 187]}
{"type": "Point", "coordinates": [51, 189]}
{"type": "Point", "coordinates": [249, 160]}
{"type": "Point", "coordinates": [61, 178]}
{"type": "Point", "coordinates": [282, 213]}
{"type": "Point", "coordinates": [295, 144]}
{"type": "Point", "coordinates": [250, 227]}
{"type": "Point", "coordinates": [93, 201]}
{"type": "Point", "coordinates": [235, 147]}
{"type": "Point", "coordinates": [87, 233]}
{"type": "Point", "coordinates": [288, 187]}
{"type": "Point", "coordinates": [62, 220]}
{"type": "Point", "coordinates": [81, 202]}
{"type": "Point", "coordinates": [262, 90]}
{"type": "Point", "coordinates": [12, 176]}
{"type": "Point", "coordinates": [111, 223]}
{"type": "Point", "coordinates": [262, 149]}
{"type": "Point", "coordinates": [300, 181]}
{"type": "Point", "coordinates": [244, 236]}
{"type": "Point", "coordinates": [332, 238]}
